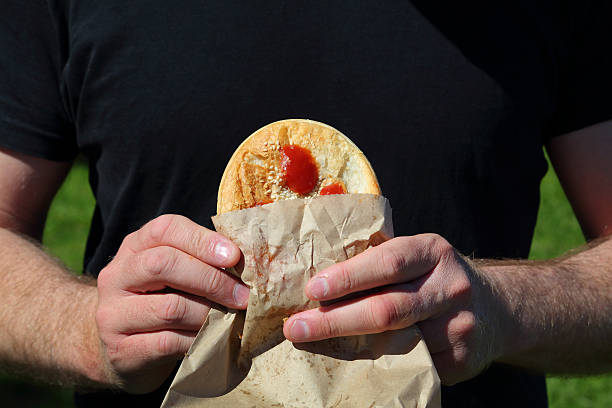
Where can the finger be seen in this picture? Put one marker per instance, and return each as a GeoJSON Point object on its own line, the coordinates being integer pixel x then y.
{"type": "Point", "coordinates": [444, 332]}
{"type": "Point", "coordinates": [395, 261]}
{"type": "Point", "coordinates": [452, 365]}
{"type": "Point", "coordinates": [155, 346]}
{"type": "Point", "coordinates": [155, 312]}
{"type": "Point", "coordinates": [397, 307]}
{"type": "Point", "coordinates": [183, 234]}
{"type": "Point", "coordinates": [160, 267]}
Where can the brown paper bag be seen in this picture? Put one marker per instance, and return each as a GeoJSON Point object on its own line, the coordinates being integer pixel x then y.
{"type": "Point", "coordinates": [240, 360]}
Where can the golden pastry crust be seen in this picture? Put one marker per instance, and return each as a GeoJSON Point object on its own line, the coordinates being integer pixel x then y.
{"type": "Point", "coordinates": [253, 175]}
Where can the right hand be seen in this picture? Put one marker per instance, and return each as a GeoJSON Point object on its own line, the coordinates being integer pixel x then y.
{"type": "Point", "coordinates": [155, 294]}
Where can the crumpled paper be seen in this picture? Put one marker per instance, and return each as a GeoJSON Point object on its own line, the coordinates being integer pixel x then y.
{"type": "Point", "coordinates": [243, 360]}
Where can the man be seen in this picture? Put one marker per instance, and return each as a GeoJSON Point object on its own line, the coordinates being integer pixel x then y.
{"type": "Point", "coordinates": [451, 103]}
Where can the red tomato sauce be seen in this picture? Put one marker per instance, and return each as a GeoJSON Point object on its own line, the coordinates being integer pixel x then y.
{"type": "Point", "coordinates": [334, 188]}
{"type": "Point", "coordinates": [260, 203]}
{"type": "Point", "coordinates": [300, 173]}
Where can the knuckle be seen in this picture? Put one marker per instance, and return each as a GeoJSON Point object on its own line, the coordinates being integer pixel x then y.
{"type": "Point", "coordinates": [173, 309]}
{"type": "Point", "coordinates": [158, 228]}
{"type": "Point", "coordinates": [392, 262]}
{"type": "Point", "coordinates": [461, 286]}
{"type": "Point", "coordinates": [129, 239]}
{"type": "Point", "coordinates": [204, 243]}
{"type": "Point", "coordinates": [346, 277]}
{"type": "Point", "coordinates": [113, 349]}
{"type": "Point", "coordinates": [109, 338]}
{"type": "Point", "coordinates": [167, 344]}
{"type": "Point", "coordinates": [213, 283]}
{"type": "Point", "coordinates": [103, 318]}
{"type": "Point", "coordinates": [383, 314]}
{"type": "Point", "coordinates": [403, 244]}
{"type": "Point", "coordinates": [430, 240]}
{"type": "Point", "coordinates": [327, 328]}
{"type": "Point", "coordinates": [443, 246]}
{"type": "Point", "coordinates": [105, 277]}
{"type": "Point", "coordinates": [465, 325]}
{"type": "Point", "coordinates": [155, 261]}
{"type": "Point", "coordinates": [455, 365]}
{"type": "Point", "coordinates": [438, 245]}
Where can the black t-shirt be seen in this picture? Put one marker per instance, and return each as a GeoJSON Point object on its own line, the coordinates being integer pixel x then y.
{"type": "Point", "coordinates": [451, 102]}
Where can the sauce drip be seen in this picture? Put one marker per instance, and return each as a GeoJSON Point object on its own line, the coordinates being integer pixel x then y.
{"type": "Point", "coordinates": [260, 203]}
{"type": "Point", "coordinates": [300, 173]}
{"type": "Point", "coordinates": [334, 188]}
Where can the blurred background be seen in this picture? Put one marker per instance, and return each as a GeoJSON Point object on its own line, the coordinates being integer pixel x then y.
{"type": "Point", "coordinates": [65, 235]}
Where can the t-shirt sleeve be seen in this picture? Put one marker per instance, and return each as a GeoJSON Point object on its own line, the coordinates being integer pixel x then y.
{"type": "Point", "coordinates": [33, 118]}
{"type": "Point", "coordinates": [586, 86]}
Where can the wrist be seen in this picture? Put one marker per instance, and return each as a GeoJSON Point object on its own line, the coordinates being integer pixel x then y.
{"type": "Point", "coordinates": [515, 287]}
{"type": "Point", "coordinates": [501, 312]}
{"type": "Point", "coordinates": [90, 359]}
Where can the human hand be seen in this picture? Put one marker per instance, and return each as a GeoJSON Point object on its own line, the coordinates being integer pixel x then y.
{"type": "Point", "coordinates": [155, 294]}
{"type": "Point", "coordinates": [418, 280]}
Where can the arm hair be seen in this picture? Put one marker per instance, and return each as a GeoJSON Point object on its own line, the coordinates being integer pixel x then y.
{"type": "Point", "coordinates": [560, 310]}
{"type": "Point", "coordinates": [49, 330]}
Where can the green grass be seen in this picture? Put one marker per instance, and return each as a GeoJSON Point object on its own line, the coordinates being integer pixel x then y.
{"type": "Point", "coordinates": [587, 392]}
{"type": "Point", "coordinates": [557, 229]}
{"type": "Point", "coordinates": [66, 230]}
{"type": "Point", "coordinates": [65, 234]}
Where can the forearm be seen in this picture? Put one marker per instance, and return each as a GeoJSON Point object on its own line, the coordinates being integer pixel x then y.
{"type": "Point", "coordinates": [47, 318]}
{"type": "Point", "coordinates": [555, 315]}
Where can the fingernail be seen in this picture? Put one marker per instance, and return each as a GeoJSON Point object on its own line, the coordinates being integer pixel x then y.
{"type": "Point", "coordinates": [223, 250]}
{"type": "Point", "coordinates": [319, 287]}
{"type": "Point", "coordinates": [241, 295]}
{"type": "Point", "coordinates": [299, 330]}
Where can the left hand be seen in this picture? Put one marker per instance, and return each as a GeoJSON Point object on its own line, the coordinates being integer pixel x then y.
{"type": "Point", "coordinates": [420, 280]}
